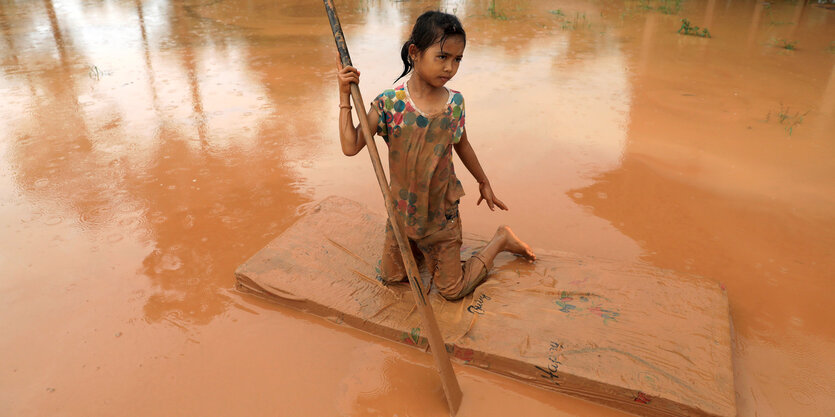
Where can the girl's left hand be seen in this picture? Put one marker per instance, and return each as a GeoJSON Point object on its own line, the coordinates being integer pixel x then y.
{"type": "Point", "coordinates": [488, 196]}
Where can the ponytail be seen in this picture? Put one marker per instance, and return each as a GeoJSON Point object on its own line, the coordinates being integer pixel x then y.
{"type": "Point", "coordinates": [407, 60]}
{"type": "Point", "coordinates": [430, 27]}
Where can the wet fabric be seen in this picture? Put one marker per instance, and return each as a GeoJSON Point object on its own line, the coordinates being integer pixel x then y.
{"type": "Point", "coordinates": [441, 252]}
{"type": "Point", "coordinates": [423, 182]}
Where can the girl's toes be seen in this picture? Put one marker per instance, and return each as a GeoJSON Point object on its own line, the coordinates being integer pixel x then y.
{"type": "Point", "coordinates": [529, 254]}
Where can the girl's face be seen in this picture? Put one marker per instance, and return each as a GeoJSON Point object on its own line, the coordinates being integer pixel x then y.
{"type": "Point", "coordinates": [437, 66]}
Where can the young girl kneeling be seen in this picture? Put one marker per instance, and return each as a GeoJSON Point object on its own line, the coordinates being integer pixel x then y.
{"type": "Point", "coordinates": [422, 121]}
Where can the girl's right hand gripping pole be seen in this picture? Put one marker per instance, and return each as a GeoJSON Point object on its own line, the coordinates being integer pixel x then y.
{"type": "Point", "coordinates": [436, 341]}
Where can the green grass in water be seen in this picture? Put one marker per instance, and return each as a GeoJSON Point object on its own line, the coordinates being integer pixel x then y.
{"type": "Point", "coordinates": [691, 30]}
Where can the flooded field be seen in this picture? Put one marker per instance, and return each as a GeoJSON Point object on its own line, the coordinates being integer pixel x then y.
{"type": "Point", "coordinates": [148, 148]}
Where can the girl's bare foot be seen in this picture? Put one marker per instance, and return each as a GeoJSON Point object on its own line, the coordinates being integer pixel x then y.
{"type": "Point", "coordinates": [514, 245]}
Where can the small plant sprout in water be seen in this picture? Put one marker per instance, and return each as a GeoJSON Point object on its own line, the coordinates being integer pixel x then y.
{"type": "Point", "coordinates": [787, 44]}
{"type": "Point", "coordinates": [786, 119]}
{"type": "Point", "coordinates": [688, 29]}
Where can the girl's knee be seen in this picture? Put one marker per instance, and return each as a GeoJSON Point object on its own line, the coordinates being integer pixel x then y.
{"type": "Point", "coordinates": [392, 279]}
{"type": "Point", "coordinates": [452, 295]}
{"type": "Point", "coordinates": [390, 271]}
{"type": "Point", "coordinates": [453, 290]}
{"type": "Point", "coordinates": [472, 276]}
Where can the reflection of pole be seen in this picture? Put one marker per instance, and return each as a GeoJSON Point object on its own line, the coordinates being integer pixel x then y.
{"type": "Point", "coordinates": [194, 86]}
{"type": "Point", "coordinates": [197, 102]}
{"type": "Point", "coordinates": [827, 107]}
{"type": "Point", "coordinates": [711, 4]}
{"type": "Point", "coordinates": [799, 10]}
{"type": "Point", "coordinates": [4, 27]}
{"type": "Point", "coordinates": [56, 32]}
{"type": "Point", "coordinates": [62, 55]}
{"type": "Point", "coordinates": [646, 42]}
{"type": "Point", "coordinates": [755, 23]}
{"type": "Point", "coordinates": [436, 340]}
{"type": "Point", "coordinates": [147, 53]}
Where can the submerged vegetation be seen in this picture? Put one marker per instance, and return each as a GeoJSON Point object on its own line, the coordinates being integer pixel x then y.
{"type": "Point", "coordinates": [669, 6]}
{"type": "Point", "coordinates": [769, 13]}
{"type": "Point", "coordinates": [786, 44]}
{"type": "Point", "coordinates": [644, 5]}
{"type": "Point", "coordinates": [662, 6]}
{"type": "Point", "coordinates": [688, 29]}
{"type": "Point", "coordinates": [577, 21]}
{"type": "Point", "coordinates": [495, 13]}
{"type": "Point", "coordinates": [786, 119]}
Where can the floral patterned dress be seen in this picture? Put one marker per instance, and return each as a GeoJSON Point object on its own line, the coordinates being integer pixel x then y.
{"type": "Point", "coordinates": [423, 182]}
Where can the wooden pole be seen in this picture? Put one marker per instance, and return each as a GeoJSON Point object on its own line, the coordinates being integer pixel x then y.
{"type": "Point", "coordinates": [436, 341]}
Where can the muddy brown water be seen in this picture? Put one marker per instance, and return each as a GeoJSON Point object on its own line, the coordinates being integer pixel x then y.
{"type": "Point", "coordinates": [148, 148]}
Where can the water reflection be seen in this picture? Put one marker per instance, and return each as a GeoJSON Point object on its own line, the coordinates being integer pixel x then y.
{"type": "Point", "coordinates": [172, 140]}
{"type": "Point", "coordinates": [117, 153]}
{"type": "Point", "coordinates": [710, 185]}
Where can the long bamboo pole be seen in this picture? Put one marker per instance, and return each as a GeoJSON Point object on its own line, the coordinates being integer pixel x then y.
{"type": "Point", "coordinates": [436, 341]}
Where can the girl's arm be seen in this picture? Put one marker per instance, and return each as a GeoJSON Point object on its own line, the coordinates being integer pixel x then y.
{"type": "Point", "coordinates": [467, 155]}
{"type": "Point", "coordinates": [351, 137]}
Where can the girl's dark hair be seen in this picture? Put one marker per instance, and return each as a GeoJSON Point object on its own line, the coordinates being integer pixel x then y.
{"type": "Point", "coordinates": [432, 26]}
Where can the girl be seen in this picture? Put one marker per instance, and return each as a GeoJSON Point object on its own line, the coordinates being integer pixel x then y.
{"type": "Point", "coordinates": [422, 121]}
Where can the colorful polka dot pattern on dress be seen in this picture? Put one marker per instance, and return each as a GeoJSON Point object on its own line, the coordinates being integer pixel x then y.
{"type": "Point", "coordinates": [423, 181]}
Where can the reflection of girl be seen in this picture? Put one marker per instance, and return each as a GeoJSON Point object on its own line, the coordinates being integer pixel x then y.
{"type": "Point", "coordinates": [422, 121]}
